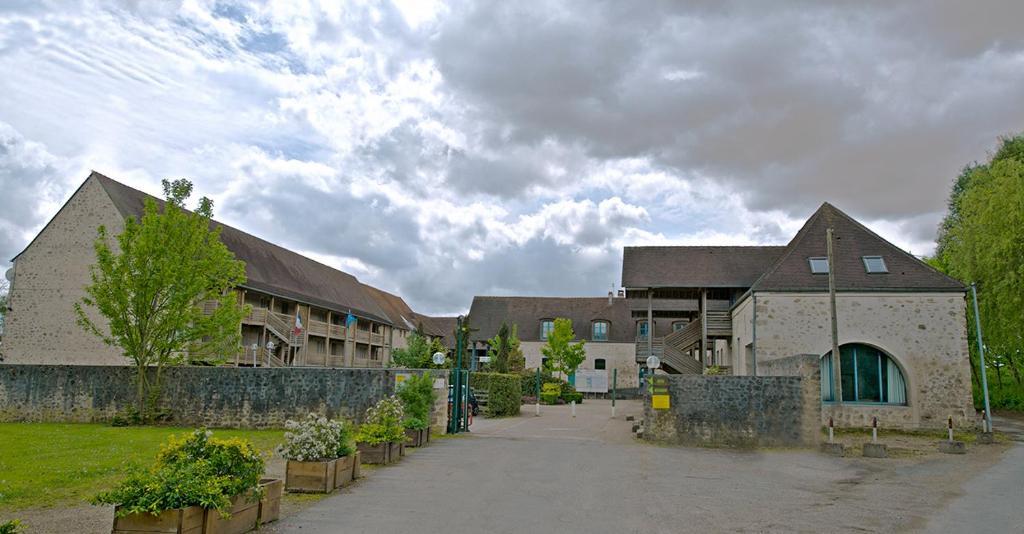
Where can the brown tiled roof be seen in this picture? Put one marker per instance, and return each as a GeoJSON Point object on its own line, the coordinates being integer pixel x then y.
{"type": "Point", "coordinates": [397, 310]}
{"type": "Point", "coordinates": [487, 313]}
{"type": "Point", "coordinates": [270, 268]}
{"type": "Point", "coordinates": [853, 241]}
{"type": "Point", "coordinates": [694, 267]}
{"type": "Point", "coordinates": [443, 327]}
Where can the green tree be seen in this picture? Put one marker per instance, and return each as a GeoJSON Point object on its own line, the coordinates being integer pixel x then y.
{"type": "Point", "coordinates": [563, 355]}
{"type": "Point", "coordinates": [516, 359]}
{"type": "Point", "coordinates": [500, 348]}
{"type": "Point", "coordinates": [418, 352]}
{"type": "Point", "coordinates": [980, 240]}
{"type": "Point", "coordinates": [151, 284]}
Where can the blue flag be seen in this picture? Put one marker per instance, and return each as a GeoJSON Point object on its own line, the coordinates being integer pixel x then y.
{"type": "Point", "coordinates": [350, 320]}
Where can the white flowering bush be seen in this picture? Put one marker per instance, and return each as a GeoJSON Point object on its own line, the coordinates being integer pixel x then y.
{"type": "Point", "coordinates": [316, 438]}
{"type": "Point", "coordinates": [383, 423]}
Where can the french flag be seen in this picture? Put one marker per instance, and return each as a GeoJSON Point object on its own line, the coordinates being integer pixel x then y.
{"type": "Point", "coordinates": [298, 323]}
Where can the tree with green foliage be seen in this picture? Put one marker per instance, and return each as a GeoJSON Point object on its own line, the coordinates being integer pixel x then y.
{"type": "Point", "coordinates": [500, 347]}
{"type": "Point", "coordinates": [563, 355]}
{"type": "Point", "coordinates": [981, 241]}
{"type": "Point", "coordinates": [150, 286]}
{"type": "Point", "coordinates": [418, 352]}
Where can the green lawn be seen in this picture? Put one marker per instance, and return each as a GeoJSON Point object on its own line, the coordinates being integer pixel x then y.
{"type": "Point", "coordinates": [42, 464]}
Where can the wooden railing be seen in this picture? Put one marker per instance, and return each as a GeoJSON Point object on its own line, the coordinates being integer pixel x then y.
{"type": "Point", "coordinates": [680, 362]}
{"type": "Point", "coordinates": [318, 328]}
{"type": "Point", "coordinates": [686, 338]}
{"type": "Point", "coordinates": [363, 336]}
{"type": "Point", "coordinates": [336, 331]}
{"type": "Point", "coordinates": [256, 316]}
{"type": "Point", "coordinates": [376, 339]}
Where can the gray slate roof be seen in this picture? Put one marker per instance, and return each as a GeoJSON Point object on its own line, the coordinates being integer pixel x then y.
{"type": "Point", "coordinates": [269, 267]}
{"type": "Point", "coordinates": [853, 240]}
{"type": "Point", "coordinates": [487, 313]}
{"type": "Point", "coordinates": [694, 267]}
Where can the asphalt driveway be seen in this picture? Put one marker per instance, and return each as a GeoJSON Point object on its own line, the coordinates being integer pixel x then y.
{"type": "Point", "coordinates": [556, 473]}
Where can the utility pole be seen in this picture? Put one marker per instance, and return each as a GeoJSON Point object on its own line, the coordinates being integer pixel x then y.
{"type": "Point", "coordinates": [837, 387]}
{"type": "Point", "coordinates": [981, 353]}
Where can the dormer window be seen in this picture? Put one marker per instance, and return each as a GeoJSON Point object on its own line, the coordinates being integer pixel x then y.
{"type": "Point", "coordinates": [546, 327]}
{"type": "Point", "coordinates": [819, 265]}
{"type": "Point", "coordinates": [600, 331]}
{"type": "Point", "coordinates": [874, 265]}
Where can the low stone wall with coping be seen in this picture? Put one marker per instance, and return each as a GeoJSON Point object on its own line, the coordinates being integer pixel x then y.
{"type": "Point", "coordinates": [235, 397]}
{"type": "Point", "coordinates": [737, 411]}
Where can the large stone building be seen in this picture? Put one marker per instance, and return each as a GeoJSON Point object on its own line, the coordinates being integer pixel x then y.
{"type": "Point", "coordinates": [604, 324]}
{"type": "Point", "coordinates": [902, 326]}
{"type": "Point", "coordinates": [344, 323]}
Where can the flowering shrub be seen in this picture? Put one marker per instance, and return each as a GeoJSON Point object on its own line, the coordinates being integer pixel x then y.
{"type": "Point", "coordinates": [316, 438]}
{"type": "Point", "coordinates": [383, 423]}
{"type": "Point", "coordinates": [194, 470]}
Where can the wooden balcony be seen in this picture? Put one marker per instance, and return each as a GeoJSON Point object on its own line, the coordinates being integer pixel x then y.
{"type": "Point", "coordinates": [336, 331]}
{"type": "Point", "coordinates": [318, 328]}
{"type": "Point", "coordinates": [363, 336]}
{"type": "Point", "coordinates": [257, 316]}
{"type": "Point", "coordinates": [376, 339]}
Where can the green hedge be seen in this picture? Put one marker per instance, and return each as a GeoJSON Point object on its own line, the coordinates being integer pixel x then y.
{"type": "Point", "coordinates": [503, 392]}
{"type": "Point", "coordinates": [529, 382]}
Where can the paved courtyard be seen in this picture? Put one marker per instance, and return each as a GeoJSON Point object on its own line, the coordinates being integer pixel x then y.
{"type": "Point", "coordinates": [555, 473]}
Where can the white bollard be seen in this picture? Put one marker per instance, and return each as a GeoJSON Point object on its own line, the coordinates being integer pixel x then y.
{"type": "Point", "coordinates": [537, 414]}
{"type": "Point", "coordinates": [613, 411]}
{"type": "Point", "coordinates": [573, 408]}
{"type": "Point", "coordinates": [874, 430]}
{"type": "Point", "coordinates": [831, 431]}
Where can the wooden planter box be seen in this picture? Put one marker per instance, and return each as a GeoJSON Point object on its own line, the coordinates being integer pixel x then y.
{"type": "Point", "coordinates": [343, 471]}
{"type": "Point", "coordinates": [245, 511]}
{"type": "Point", "coordinates": [270, 504]}
{"type": "Point", "coordinates": [309, 477]}
{"type": "Point", "coordinates": [426, 435]}
{"type": "Point", "coordinates": [414, 437]}
{"type": "Point", "coordinates": [357, 459]}
{"type": "Point", "coordinates": [375, 454]}
{"type": "Point", "coordinates": [178, 521]}
{"type": "Point", "coordinates": [396, 452]}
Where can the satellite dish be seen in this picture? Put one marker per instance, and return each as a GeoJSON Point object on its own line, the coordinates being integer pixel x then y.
{"type": "Point", "coordinates": [438, 358]}
{"type": "Point", "coordinates": [9, 275]}
{"type": "Point", "coordinates": [653, 362]}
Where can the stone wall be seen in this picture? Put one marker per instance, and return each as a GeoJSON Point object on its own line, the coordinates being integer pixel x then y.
{"type": "Point", "coordinates": [924, 333]}
{"type": "Point", "coordinates": [196, 396]}
{"type": "Point", "coordinates": [734, 411]}
{"type": "Point", "coordinates": [49, 277]}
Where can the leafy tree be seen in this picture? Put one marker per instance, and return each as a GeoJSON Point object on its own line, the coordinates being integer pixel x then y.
{"type": "Point", "coordinates": [151, 283]}
{"type": "Point", "coordinates": [980, 241]}
{"type": "Point", "coordinates": [516, 359]}
{"type": "Point", "coordinates": [419, 352]}
{"type": "Point", "coordinates": [563, 355]}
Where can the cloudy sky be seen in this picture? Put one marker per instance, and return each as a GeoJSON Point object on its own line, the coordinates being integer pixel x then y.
{"type": "Point", "coordinates": [445, 150]}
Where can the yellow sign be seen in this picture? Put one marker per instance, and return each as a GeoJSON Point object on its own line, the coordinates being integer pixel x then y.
{"type": "Point", "coordinates": [659, 402]}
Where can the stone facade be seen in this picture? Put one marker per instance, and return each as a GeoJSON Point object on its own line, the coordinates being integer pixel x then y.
{"type": "Point", "coordinates": [199, 396]}
{"type": "Point", "coordinates": [49, 278]}
{"type": "Point", "coordinates": [924, 333]}
{"type": "Point", "coordinates": [621, 356]}
{"type": "Point", "coordinates": [735, 411]}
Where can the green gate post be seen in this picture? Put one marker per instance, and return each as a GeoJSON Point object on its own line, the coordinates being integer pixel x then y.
{"type": "Point", "coordinates": [466, 406]}
{"type": "Point", "coordinates": [455, 424]}
{"type": "Point", "coordinates": [615, 381]}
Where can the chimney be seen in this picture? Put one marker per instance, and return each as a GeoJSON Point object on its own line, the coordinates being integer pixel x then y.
{"type": "Point", "coordinates": [610, 296]}
{"type": "Point", "coordinates": [622, 293]}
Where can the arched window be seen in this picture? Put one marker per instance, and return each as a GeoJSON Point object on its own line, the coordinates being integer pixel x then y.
{"type": "Point", "coordinates": [867, 375]}
{"type": "Point", "coordinates": [599, 331]}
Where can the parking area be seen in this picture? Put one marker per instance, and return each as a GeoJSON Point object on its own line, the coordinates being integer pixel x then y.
{"type": "Point", "coordinates": [587, 474]}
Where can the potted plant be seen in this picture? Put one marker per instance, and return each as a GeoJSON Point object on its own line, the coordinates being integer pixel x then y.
{"type": "Point", "coordinates": [198, 484]}
{"type": "Point", "coordinates": [418, 396]}
{"type": "Point", "coordinates": [319, 454]}
{"type": "Point", "coordinates": [379, 438]}
{"type": "Point", "coordinates": [270, 504]}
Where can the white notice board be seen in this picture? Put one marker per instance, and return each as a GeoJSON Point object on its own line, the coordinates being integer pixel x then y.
{"type": "Point", "coordinates": [592, 380]}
